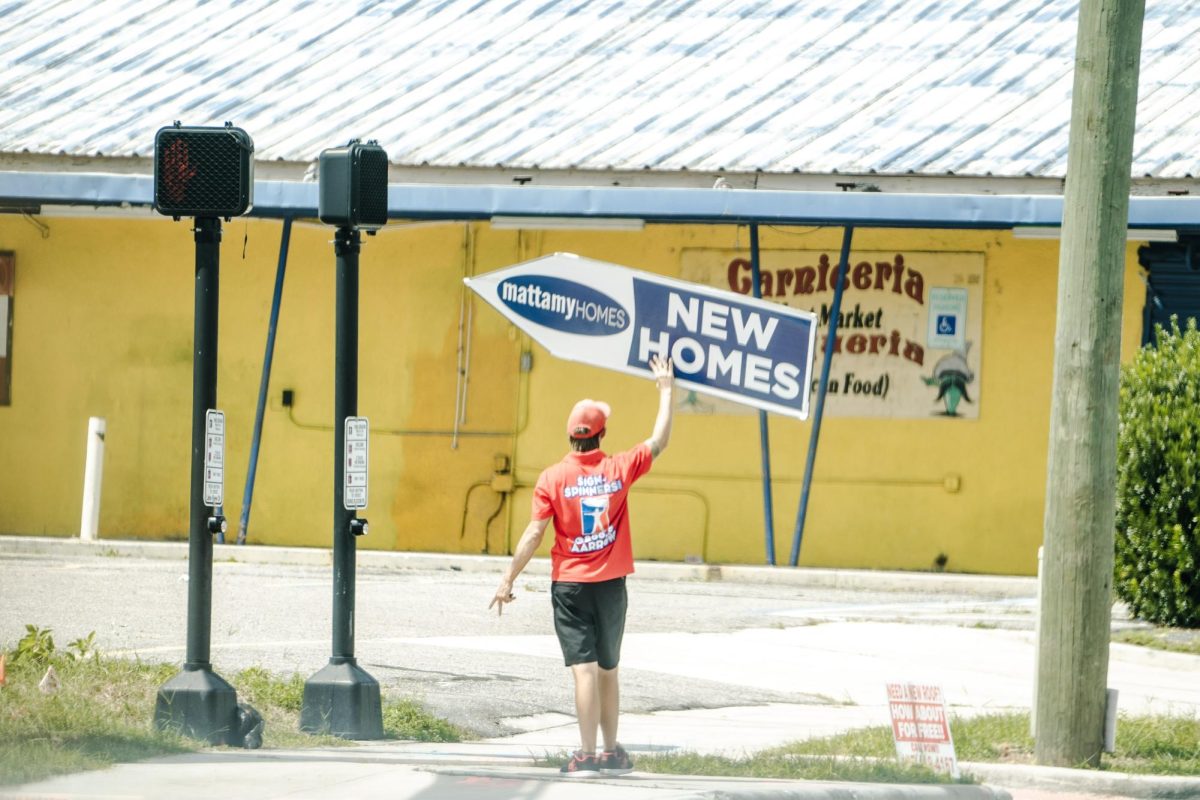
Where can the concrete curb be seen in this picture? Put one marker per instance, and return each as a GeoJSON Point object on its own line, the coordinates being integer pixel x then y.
{"type": "Point", "coordinates": [714, 788]}
{"type": "Point", "coordinates": [801, 577]}
{"type": "Point", "coordinates": [1084, 780]}
{"type": "Point", "coordinates": [499, 759]}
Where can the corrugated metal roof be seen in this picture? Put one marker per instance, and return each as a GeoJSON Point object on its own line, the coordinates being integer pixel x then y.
{"type": "Point", "coordinates": [892, 86]}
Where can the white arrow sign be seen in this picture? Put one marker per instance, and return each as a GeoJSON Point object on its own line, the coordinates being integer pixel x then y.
{"type": "Point", "coordinates": [724, 344]}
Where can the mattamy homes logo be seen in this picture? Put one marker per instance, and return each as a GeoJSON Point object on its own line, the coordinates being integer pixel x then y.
{"type": "Point", "coordinates": [563, 305]}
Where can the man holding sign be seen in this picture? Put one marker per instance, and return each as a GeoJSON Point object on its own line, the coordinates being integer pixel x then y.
{"type": "Point", "coordinates": [585, 494]}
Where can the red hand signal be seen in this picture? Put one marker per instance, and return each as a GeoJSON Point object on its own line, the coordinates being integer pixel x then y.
{"type": "Point", "coordinates": [177, 171]}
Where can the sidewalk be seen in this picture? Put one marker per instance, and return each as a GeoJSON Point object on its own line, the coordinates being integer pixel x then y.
{"type": "Point", "coordinates": [434, 772]}
{"type": "Point", "coordinates": [852, 656]}
{"type": "Point", "coordinates": [878, 580]}
{"type": "Point", "coordinates": [492, 771]}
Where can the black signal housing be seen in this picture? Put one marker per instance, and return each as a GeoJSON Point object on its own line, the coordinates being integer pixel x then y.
{"type": "Point", "coordinates": [353, 186]}
{"type": "Point", "coordinates": [203, 171]}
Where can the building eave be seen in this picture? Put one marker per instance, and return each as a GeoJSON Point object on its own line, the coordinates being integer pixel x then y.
{"type": "Point", "coordinates": [279, 199]}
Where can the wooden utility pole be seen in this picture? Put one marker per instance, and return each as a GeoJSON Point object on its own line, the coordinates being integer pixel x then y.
{"type": "Point", "coordinates": [1076, 604]}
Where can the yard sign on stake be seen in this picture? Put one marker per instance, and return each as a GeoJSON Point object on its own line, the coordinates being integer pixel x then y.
{"type": "Point", "coordinates": [920, 726]}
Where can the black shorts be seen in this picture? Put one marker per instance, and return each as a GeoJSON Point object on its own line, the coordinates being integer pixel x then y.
{"type": "Point", "coordinates": [589, 619]}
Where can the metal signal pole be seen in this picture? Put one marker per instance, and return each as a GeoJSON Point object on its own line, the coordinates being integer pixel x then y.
{"type": "Point", "coordinates": [198, 702]}
{"type": "Point", "coordinates": [342, 698]}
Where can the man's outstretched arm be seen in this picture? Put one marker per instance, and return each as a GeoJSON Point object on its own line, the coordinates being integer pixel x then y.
{"type": "Point", "coordinates": [665, 380]}
{"type": "Point", "coordinates": [530, 541]}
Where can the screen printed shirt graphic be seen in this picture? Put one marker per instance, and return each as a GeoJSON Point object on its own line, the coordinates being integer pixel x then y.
{"type": "Point", "coordinates": [586, 495]}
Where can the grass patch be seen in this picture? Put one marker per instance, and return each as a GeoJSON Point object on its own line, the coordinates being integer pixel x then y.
{"type": "Point", "coordinates": [100, 715]}
{"type": "Point", "coordinates": [874, 742]}
{"type": "Point", "coordinates": [1157, 746]}
{"type": "Point", "coordinates": [258, 687]}
{"type": "Point", "coordinates": [279, 701]}
{"type": "Point", "coordinates": [406, 719]}
{"type": "Point", "coordinates": [779, 763]}
{"type": "Point", "coordinates": [1174, 640]}
{"type": "Point", "coordinates": [1145, 745]}
{"type": "Point", "coordinates": [1002, 738]}
{"type": "Point", "coordinates": [103, 712]}
{"type": "Point", "coordinates": [785, 763]}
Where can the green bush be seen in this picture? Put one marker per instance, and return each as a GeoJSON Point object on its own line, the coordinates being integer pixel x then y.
{"type": "Point", "coordinates": [1158, 499]}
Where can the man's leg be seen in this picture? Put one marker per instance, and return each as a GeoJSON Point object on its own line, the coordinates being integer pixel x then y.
{"type": "Point", "coordinates": [611, 614]}
{"type": "Point", "coordinates": [587, 703]}
{"type": "Point", "coordinates": [610, 703]}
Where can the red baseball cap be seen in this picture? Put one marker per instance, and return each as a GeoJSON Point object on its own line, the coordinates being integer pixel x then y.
{"type": "Point", "coordinates": [587, 418]}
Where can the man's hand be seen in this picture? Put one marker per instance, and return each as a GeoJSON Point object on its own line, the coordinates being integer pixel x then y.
{"type": "Point", "coordinates": [664, 377]}
{"type": "Point", "coordinates": [664, 374]}
{"type": "Point", "coordinates": [504, 594]}
{"type": "Point", "coordinates": [530, 540]}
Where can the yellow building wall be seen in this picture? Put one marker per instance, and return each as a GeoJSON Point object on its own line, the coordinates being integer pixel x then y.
{"type": "Point", "coordinates": [103, 327]}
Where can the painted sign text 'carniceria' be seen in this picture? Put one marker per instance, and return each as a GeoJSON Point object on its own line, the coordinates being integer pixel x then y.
{"type": "Point", "coordinates": [893, 277]}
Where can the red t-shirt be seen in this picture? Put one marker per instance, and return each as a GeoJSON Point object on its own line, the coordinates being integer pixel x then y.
{"type": "Point", "coordinates": [585, 493]}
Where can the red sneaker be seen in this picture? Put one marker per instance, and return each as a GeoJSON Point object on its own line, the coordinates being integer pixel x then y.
{"type": "Point", "coordinates": [581, 765]}
{"type": "Point", "coordinates": [616, 761]}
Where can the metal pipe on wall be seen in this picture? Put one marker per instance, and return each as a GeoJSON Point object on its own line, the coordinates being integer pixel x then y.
{"type": "Point", "coordinates": [458, 366]}
{"type": "Point", "coordinates": [461, 412]}
{"type": "Point", "coordinates": [462, 368]}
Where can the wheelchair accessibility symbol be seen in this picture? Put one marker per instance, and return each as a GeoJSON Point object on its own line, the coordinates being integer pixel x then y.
{"type": "Point", "coordinates": [946, 324]}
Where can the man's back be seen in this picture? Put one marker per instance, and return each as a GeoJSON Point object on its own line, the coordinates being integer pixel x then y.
{"type": "Point", "coordinates": [586, 494]}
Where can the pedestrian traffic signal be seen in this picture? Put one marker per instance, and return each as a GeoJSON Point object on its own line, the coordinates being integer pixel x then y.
{"type": "Point", "coordinates": [203, 172]}
{"type": "Point", "coordinates": [354, 182]}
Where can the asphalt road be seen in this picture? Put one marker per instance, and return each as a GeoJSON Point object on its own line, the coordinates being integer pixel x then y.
{"type": "Point", "coordinates": [279, 618]}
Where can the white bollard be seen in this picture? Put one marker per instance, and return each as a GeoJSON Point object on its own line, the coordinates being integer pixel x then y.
{"type": "Point", "coordinates": [93, 474]}
{"type": "Point", "coordinates": [1110, 721]}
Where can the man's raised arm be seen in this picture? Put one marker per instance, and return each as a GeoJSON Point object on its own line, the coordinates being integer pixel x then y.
{"type": "Point", "coordinates": [665, 380]}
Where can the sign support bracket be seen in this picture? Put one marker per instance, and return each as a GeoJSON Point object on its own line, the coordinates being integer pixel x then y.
{"type": "Point", "coordinates": [830, 332]}
{"type": "Point", "coordinates": [764, 433]}
{"type": "Point", "coordinates": [272, 326]}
